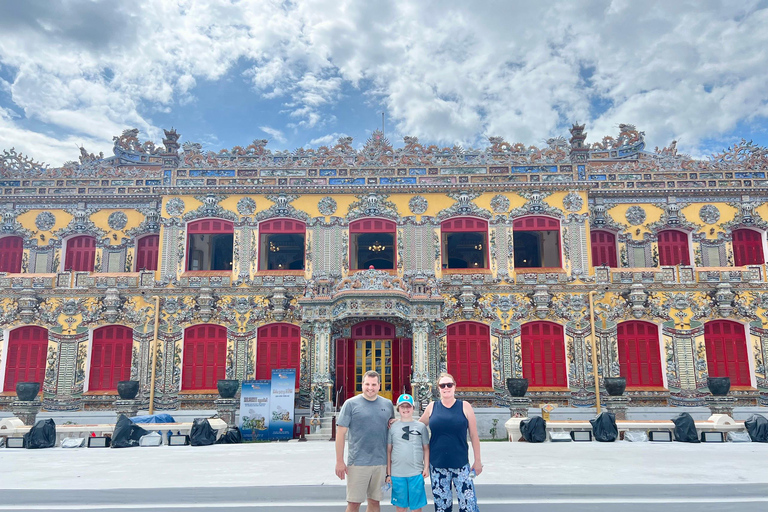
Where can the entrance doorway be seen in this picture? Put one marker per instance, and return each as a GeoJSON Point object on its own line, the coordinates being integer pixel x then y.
{"type": "Point", "coordinates": [373, 346]}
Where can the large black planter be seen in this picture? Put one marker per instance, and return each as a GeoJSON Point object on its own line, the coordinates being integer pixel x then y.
{"type": "Point", "coordinates": [127, 389]}
{"type": "Point", "coordinates": [719, 386]}
{"type": "Point", "coordinates": [615, 386]}
{"type": "Point", "coordinates": [517, 387]}
{"type": "Point", "coordinates": [27, 391]}
{"type": "Point", "coordinates": [227, 387]}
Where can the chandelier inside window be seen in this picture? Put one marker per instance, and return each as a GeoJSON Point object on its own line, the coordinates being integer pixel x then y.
{"type": "Point", "coordinates": [273, 247]}
{"type": "Point", "coordinates": [376, 247]}
{"type": "Point", "coordinates": [479, 247]}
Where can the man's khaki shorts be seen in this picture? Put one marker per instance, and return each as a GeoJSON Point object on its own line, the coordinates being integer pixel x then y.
{"type": "Point", "coordinates": [364, 482]}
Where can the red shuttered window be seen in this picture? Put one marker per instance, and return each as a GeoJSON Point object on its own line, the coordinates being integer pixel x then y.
{"type": "Point", "coordinates": [110, 357]}
{"type": "Point", "coordinates": [469, 354]}
{"type": "Point", "coordinates": [205, 356]}
{"type": "Point", "coordinates": [544, 354]}
{"type": "Point", "coordinates": [81, 254]}
{"type": "Point", "coordinates": [747, 247]}
{"type": "Point", "coordinates": [603, 249]}
{"type": "Point", "coordinates": [402, 356]}
{"type": "Point", "coordinates": [345, 369]}
{"type": "Point", "coordinates": [147, 250]}
{"type": "Point", "coordinates": [639, 355]}
{"type": "Point", "coordinates": [727, 355]}
{"type": "Point", "coordinates": [11, 251]}
{"type": "Point", "coordinates": [673, 248]}
{"type": "Point", "coordinates": [278, 346]}
{"type": "Point", "coordinates": [27, 349]}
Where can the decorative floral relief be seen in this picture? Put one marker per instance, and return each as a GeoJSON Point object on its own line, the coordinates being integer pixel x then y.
{"type": "Point", "coordinates": [45, 221]}
{"type": "Point", "coordinates": [635, 215]}
{"type": "Point", "coordinates": [500, 204]}
{"type": "Point", "coordinates": [709, 214]}
{"type": "Point", "coordinates": [117, 220]}
{"type": "Point", "coordinates": [327, 206]}
{"type": "Point", "coordinates": [246, 206]}
{"type": "Point", "coordinates": [418, 205]}
{"type": "Point", "coordinates": [573, 202]}
{"type": "Point", "coordinates": [175, 207]}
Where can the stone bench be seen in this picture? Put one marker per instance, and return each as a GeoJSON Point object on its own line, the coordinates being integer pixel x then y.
{"type": "Point", "coordinates": [13, 427]}
{"type": "Point", "coordinates": [716, 422]}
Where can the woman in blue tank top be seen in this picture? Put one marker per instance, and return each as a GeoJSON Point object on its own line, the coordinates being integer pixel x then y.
{"type": "Point", "coordinates": [449, 420]}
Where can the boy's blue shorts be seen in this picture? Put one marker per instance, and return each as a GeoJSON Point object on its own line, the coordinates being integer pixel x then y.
{"type": "Point", "coordinates": [408, 492]}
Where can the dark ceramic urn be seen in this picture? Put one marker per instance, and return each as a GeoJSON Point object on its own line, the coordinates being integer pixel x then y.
{"type": "Point", "coordinates": [127, 389]}
{"type": "Point", "coordinates": [517, 387]}
{"type": "Point", "coordinates": [719, 386]}
{"type": "Point", "coordinates": [615, 386]}
{"type": "Point", "coordinates": [27, 391]}
{"type": "Point", "coordinates": [228, 387]}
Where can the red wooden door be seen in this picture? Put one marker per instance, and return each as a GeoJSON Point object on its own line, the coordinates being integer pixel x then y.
{"type": "Point", "coordinates": [11, 251]}
{"type": "Point", "coordinates": [603, 249]}
{"type": "Point", "coordinates": [27, 349]}
{"type": "Point", "coordinates": [81, 254]}
{"type": "Point", "coordinates": [469, 354]}
{"type": "Point", "coordinates": [278, 346]}
{"type": "Point", "coordinates": [727, 354]}
{"type": "Point", "coordinates": [147, 250]}
{"type": "Point", "coordinates": [747, 247]}
{"type": "Point", "coordinates": [543, 349]}
{"type": "Point", "coordinates": [345, 369]}
{"type": "Point", "coordinates": [110, 357]}
{"type": "Point", "coordinates": [402, 354]}
{"type": "Point", "coordinates": [205, 356]}
{"type": "Point", "coordinates": [673, 248]}
{"type": "Point", "coordinates": [639, 355]}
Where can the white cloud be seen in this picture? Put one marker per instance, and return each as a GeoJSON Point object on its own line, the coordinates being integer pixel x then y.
{"type": "Point", "coordinates": [276, 134]}
{"type": "Point", "coordinates": [326, 140]}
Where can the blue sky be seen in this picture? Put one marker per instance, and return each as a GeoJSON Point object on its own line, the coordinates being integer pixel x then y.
{"type": "Point", "coordinates": [303, 74]}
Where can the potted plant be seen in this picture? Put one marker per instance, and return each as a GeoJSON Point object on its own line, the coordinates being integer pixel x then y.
{"type": "Point", "coordinates": [227, 387]}
{"type": "Point", "coordinates": [127, 389]}
{"type": "Point", "coordinates": [517, 387]}
{"type": "Point", "coordinates": [719, 386]}
{"type": "Point", "coordinates": [615, 386]}
{"type": "Point", "coordinates": [27, 391]}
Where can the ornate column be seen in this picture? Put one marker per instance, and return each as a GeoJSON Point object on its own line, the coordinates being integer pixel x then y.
{"type": "Point", "coordinates": [321, 363]}
{"type": "Point", "coordinates": [66, 372]}
{"type": "Point", "coordinates": [172, 248]}
{"type": "Point", "coordinates": [681, 368]}
{"type": "Point", "coordinates": [420, 381]}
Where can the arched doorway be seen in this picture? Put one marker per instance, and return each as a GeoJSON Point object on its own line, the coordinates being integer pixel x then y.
{"type": "Point", "coordinates": [373, 346]}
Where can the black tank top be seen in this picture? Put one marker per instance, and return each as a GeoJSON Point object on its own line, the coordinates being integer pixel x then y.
{"type": "Point", "coordinates": [448, 446]}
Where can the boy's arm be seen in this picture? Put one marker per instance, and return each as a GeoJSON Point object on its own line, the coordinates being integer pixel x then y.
{"type": "Point", "coordinates": [389, 461]}
{"type": "Point", "coordinates": [425, 473]}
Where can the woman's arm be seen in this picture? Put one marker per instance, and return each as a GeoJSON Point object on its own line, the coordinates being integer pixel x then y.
{"type": "Point", "coordinates": [473, 436]}
{"type": "Point", "coordinates": [427, 413]}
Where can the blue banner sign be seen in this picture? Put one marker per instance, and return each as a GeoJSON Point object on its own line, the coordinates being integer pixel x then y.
{"type": "Point", "coordinates": [255, 410]}
{"type": "Point", "coordinates": [281, 405]}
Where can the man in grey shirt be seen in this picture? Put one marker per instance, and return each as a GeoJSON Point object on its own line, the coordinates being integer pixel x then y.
{"type": "Point", "coordinates": [366, 418]}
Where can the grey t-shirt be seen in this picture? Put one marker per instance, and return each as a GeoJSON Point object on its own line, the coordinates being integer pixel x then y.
{"type": "Point", "coordinates": [408, 440]}
{"type": "Point", "coordinates": [367, 423]}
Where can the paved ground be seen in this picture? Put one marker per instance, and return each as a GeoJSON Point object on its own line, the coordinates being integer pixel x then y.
{"type": "Point", "coordinates": [299, 476]}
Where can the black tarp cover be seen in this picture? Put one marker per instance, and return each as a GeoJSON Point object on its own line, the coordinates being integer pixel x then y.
{"type": "Point", "coordinates": [757, 426]}
{"type": "Point", "coordinates": [604, 427]}
{"type": "Point", "coordinates": [202, 433]}
{"type": "Point", "coordinates": [232, 436]}
{"type": "Point", "coordinates": [685, 428]}
{"type": "Point", "coordinates": [534, 429]}
{"type": "Point", "coordinates": [126, 433]}
{"type": "Point", "coordinates": [41, 435]}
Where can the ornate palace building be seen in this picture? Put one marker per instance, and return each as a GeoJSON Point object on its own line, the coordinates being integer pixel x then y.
{"type": "Point", "coordinates": [409, 261]}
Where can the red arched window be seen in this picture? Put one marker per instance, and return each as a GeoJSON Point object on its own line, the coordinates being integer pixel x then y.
{"type": "Point", "coordinates": [727, 356]}
{"type": "Point", "coordinates": [464, 243]}
{"type": "Point", "coordinates": [747, 247]}
{"type": "Point", "coordinates": [205, 356]}
{"type": "Point", "coordinates": [673, 248]}
{"type": "Point", "coordinates": [639, 355]}
{"type": "Point", "coordinates": [209, 245]}
{"type": "Point", "coordinates": [147, 249]}
{"type": "Point", "coordinates": [278, 346]}
{"type": "Point", "coordinates": [110, 357]}
{"type": "Point", "coordinates": [469, 354]}
{"type": "Point", "coordinates": [603, 249]}
{"type": "Point", "coordinates": [81, 254]}
{"type": "Point", "coordinates": [11, 251]}
{"type": "Point", "coordinates": [537, 242]}
{"type": "Point", "coordinates": [372, 244]}
{"type": "Point", "coordinates": [281, 244]}
{"type": "Point", "coordinates": [27, 350]}
{"type": "Point", "coordinates": [543, 348]}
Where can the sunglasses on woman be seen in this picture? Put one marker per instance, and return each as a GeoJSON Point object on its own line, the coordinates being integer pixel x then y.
{"type": "Point", "coordinates": [444, 385]}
